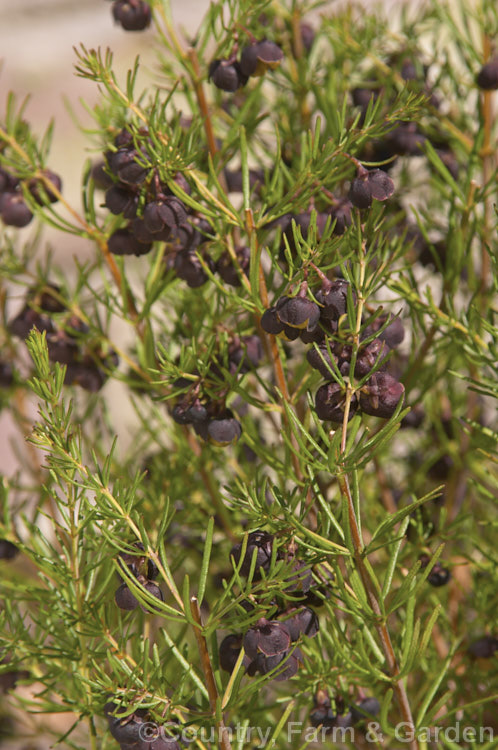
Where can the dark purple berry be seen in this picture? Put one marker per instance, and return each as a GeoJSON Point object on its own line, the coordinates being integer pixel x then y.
{"type": "Point", "coordinates": [268, 637]}
{"type": "Point", "coordinates": [364, 709]}
{"type": "Point", "coordinates": [484, 647]}
{"type": "Point", "coordinates": [228, 270]}
{"type": "Point", "coordinates": [27, 319]}
{"type": "Point", "coordinates": [124, 598]}
{"type": "Point", "coordinates": [298, 312]}
{"type": "Point", "coordinates": [61, 348]}
{"type": "Point", "coordinates": [8, 550]}
{"type": "Point", "coordinates": [381, 395]}
{"type": "Point", "coordinates": [133, 15]}
{"type": "Point", "coordinates": [360, 193]}
{"type": "Point", "coordinates": [270, 322]}
{"type": "Point", "coordinates": [100, 176]}
{"type": "Point", "coordinates": [332, 298]}
{"type": "Point", "coordinates": [375, 352]}
{"type": "Point", "coordinates": [303, 622]}
{"type": "Point", "coordinates": [381, 185]}
{"type": "Point", "coordinates": [259, 543]}
{"type": "Point", "coordinates": [40, 189]}
{"type": "Point", "coordinates": [257, 57]}
{"type": "Point", "coordinates": [439, 576]}
{"type": "Point", "coordinates": [14, 211]}
{"type": "Point", "coordinates": [224, 429]}
{"type": "Point", "coordinates": [487, 78]}
{"type": "Point", "coordinates": [229, 650]}
{"type": "Point", "coordinates": [341, 214]}
{"type": "Point", "coordinates": [405, 140]}
{"type": "Point", "coordinates": [245, 354]}
{"type": "Point", "coordinates": [119, 200]}
{"type": "Point", "coordinates": [225, 75]}
{"type": "Point", "coordinates": [154, 590]}
{"type": "Point", "coordinates": [189, 268]}
{"type": "Point", "coordinates": [124, 242]}
{"type": "Point", "coordinates": [6, 377]}
{"type": "Point", "coordinates": [330, 402]}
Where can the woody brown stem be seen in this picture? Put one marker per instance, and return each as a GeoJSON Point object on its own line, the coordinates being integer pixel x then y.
{"type": "Point", "coordinates": [208, 674]}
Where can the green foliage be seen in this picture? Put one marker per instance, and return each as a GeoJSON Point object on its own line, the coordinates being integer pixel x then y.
{"type": "Point", "coordinates": [368, 506]}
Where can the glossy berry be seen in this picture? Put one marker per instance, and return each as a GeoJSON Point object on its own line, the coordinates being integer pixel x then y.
{"type": "Point", "coordinates": [61, 347]}
{"type": "Point", "coordinates": [125, 165]}
{"type": "Point", "coordinates": [360, 194]}
{"type": "Point", "coordinates": [259, 543]}
{"type": "Point", "coordinates": [340, 213]}
{"type": "Point", "coordinates": [189, 268]}
{"type": "Point", "coordinates": [329, 403]}
{"type": "Point", "coordinates": [154, 590]}
{"type": "Point", "coordinates": [245, 354]}
{"type": "Point", "coordinates": [257, 57]}
{"type": "Point", "coordinates": [124, 242]}
{"type": "Point", "coordinates": [484, 647]}
{"type": "Point", "coordinates": [381, 395]}
{"type": "Point", "coordinates": [6, 377]}
{"type": "Point", "coordinates": [405, 140]}
{"type": "Point", "coordinates": [126, 730]}
{"type": "Point", "coordinates": [268, 637]}
{"type": "Point", "coordinates": [48, 299]}
{"type": "Point", "coordinates": [229, 650]}
{"type": "Point", "coordinates": [369, 185]}
{"type": "Point", "coordinates": [224, 429]}
{"type": "Point", "coordinates": [187, 412]}
{"type": "Point", "coordinates": [439, 576]}
{"type": "Point", "coordinates": [119, 200]}
{"type": "Point", "coordinates": [298, 312]}
{"type": "Point", "coordinates": [364, 709]}
{"type": "Point", "coordinates": [303, 622]}
{"type": "Point", "coordinates": [271, 323]}
{"type": "Point", "coordinates": [14, 211]}
{"type": "Point", "coordinates": [332, 298]}
{"type": "Point", "coordinates": [27, 319]}
{"type": "Point", "coordinates": [8, 550]}
{"type": "Point", "coordinates": [228, 270]}
{"type": "Point", "coordinates": [124, 598]}
{"type": "Point", "coordinates": [286, 662]}
{"type": "Point", "coordinates": [133, 15]}
{"type": "Point", "coordinates": [373, 353]}
{"type": "Point", "coordinates": [226, 75]}
{"type": "Point", "coordinates": [40, 189]}
{"type": "Point", "coordinates": [164, 215]}
{"type": "Point", "coordinates": [487, 78]}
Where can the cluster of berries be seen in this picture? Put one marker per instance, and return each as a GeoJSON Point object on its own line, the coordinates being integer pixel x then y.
{"type": "Point", "coordinates": [368, 185]}
{"type": "Point", "coordinates": [87, 364]}
{"type": "Point", "coordinates": [270, 645]}
{"type": "Point", "coordinates": [145, 571]}
{"type": "Point", "coordinates": [405, 139]}
{"type": "Point", "coordinates": [230, 74]}
{"type": "Point", "coordinates": [14, 210]}
{"type": "Point", "coordinates": [211, 420]}
{"type": "Point", "coordinates": [155, 214]}
{"type": "Point", "coordinates": [319, 323]}
{"type": "Point", "coordinates": [132, 15]}
{"type": "Point", "coordinates": [323, 715]}
{"type": "Point", "coordinates": [163, 215]}
{"type": "Point", "coordinates": [136, 731]}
